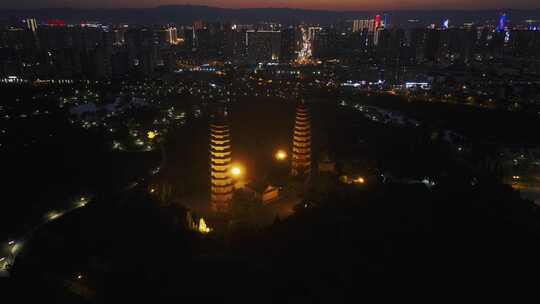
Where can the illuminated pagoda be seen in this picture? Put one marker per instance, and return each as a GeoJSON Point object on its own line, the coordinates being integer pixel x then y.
{"type": "Point", "coordinates": [301, 151]}
{"type": "Point", "coordinates": [220, 164]}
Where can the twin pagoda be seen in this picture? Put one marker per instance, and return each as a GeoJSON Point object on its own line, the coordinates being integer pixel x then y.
{"type": "Point", "coordinates": [222, 184]}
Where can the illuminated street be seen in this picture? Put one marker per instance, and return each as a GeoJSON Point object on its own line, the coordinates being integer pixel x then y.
{"type": "Point", "coordinates": [10, 249]}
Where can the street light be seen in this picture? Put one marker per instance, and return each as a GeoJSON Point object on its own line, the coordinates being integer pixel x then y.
{"type": "Point", "coordinates": [236, 171]}
{"type": "Point", "coordinates": [52, 215]}
{"type": "Point", "coordinates": [280, 155]}
{"type": "Point", "coordinates": [359, 180]}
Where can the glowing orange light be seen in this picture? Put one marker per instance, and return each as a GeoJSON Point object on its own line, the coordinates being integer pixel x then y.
{"type": "Point", "coordinates": [360, 180]}
{"type": "Point", "coordinates": [236, 171]}
{"type": "Point", "coordinates": [281, 155]}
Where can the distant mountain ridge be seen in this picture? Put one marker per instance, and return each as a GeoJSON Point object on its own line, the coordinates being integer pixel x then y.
{"type": "Point", "coordinates": [186, 14]}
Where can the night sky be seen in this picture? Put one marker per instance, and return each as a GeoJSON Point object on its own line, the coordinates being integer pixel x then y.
{"type": "Point", "coordinates": [311, 4]}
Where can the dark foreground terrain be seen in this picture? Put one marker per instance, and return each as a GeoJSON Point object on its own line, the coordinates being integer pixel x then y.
{"type": "Point", "coordinates": [349, 245]}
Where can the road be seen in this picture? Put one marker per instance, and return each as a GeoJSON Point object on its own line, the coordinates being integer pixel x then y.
{"type": "Point", "coordinates": [11, 248]}
{"type": "Point", "coordinates": [528, 192]}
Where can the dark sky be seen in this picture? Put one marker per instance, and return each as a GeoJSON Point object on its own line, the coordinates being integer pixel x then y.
{"type": "Point", "coordinates": [312, 4]}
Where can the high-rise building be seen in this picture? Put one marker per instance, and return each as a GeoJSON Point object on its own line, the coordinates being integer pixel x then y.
{"type": "Point", "coordinates": [321, 46]}
{"type": "Point", "coordinates": [501, 25]}
{"type": "Point", "coordinates": [142, 50]}
{"type": "Point", "coordinates": [220, 165]}
{"type": "Point", "coordinates": [377, 36]}
{"type": "Point", "coordinates": [445, 24]}
{"type": "Point", "coordinates": [234, 44]}
{"type": "Point", "coordinates": [312, 32]}
{"type": "Point", "coordinates": [198, 27]}
{"type": "Point", "coordinates": [361, 25]}
{"type": "Point", "coordinates": [417, 44]}
{"type": "Point", "coordinates": [386, 21]}
{"type": "Point", "coordinates": [168, 35]}
{"type": "Point", "coordinates": [289, 44]}
{"type": "Point", "coordinates": [431, 45]}
{"type": "Point", "coordinates": [378, 21]}
{"type": "Point", "coordinates": [119, 35]}
{"type": "Point", "coordinates": [301, 156]}
{"type": "Point", "coordinates": [263, 45]}
{"type": "Point", "coordinates": [31, 24]}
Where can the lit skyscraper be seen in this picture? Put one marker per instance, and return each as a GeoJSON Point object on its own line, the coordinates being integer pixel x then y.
{"type": "Point", "coordinates": [501, 25]}
{"type": "Point", "coordinates": [31, 24]}
{"type": "Point", "coordinates": [378, 22]}
{"type": "Point", "coordinates": [363, 24]}
{"type": "Point", "coordinates": [306, 48]}
{"type": "Point", "coordinates": [446, 24]}
{"type": "Point", "coordinates": [168, 35]}
{"type": "Point", "coordinates": [312, 32]}
{"type": "Point", "coordinates": [386, 21]}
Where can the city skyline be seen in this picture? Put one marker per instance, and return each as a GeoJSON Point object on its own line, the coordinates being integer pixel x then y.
{"type": "Point", "coordinates": [342, 5]}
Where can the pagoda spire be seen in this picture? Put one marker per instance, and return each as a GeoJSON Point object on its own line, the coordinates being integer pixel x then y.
{"type": "Point", "coordinates": [301, 156]}
{"type": "Point", "coordinates": [220, 164]}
